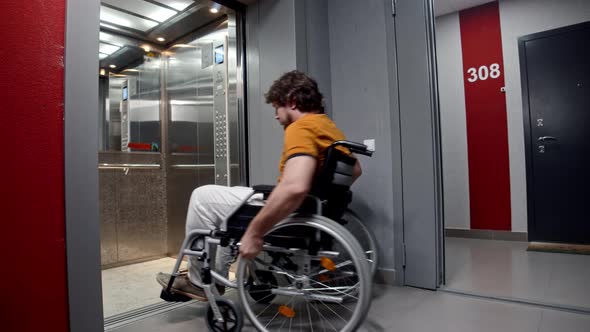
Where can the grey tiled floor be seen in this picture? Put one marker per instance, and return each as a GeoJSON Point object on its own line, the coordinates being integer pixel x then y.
{"type": "Point", "coordinates": [494, 268]}
{"type": "Point", "coordinates": [409, 310]}
{"type": "Point", "coordinates": [506, 269]}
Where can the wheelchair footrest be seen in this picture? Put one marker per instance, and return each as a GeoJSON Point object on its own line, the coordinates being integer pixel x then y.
{"type": "Point", "coordinates": [169, 296]}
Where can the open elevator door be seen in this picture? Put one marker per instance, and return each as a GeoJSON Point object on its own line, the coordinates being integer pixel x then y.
{"type": "Point", "coordinates": [423, 224]}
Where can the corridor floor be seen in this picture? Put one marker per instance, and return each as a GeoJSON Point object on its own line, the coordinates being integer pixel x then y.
{"type": "Point", "coordinates": [406, 309]}
{"type": "Point", "coordinates": [505, 269]}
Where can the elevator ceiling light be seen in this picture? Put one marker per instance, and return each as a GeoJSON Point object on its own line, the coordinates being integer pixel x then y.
{"type": "Point", "coordinates": [184, 46]}
{"type": "Point", "coordinates": [176, 4]}
{"type": "Point", "coordinates": [113, 66]}
{"type": "Point", "coordinates": [146, 9]}
{"type": "Point", "coordinates": [107, 49]}
{"type": "Point", "coordinates": [215, 8]}
{"type": "Point", "coordinates": [123, 19]}
{"type": "Point", "coordinates": [160, 39]}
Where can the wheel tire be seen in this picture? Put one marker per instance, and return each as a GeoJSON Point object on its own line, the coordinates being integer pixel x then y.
{"type": "Point", "coordinates": [231, 313]}
{"type": "Point", "coordinates": [354, 254]}
{"type": "Point", "coordinates": [364, 236]}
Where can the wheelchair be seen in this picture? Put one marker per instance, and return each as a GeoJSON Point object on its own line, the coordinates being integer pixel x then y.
{"type": "Point", "coordinates": [312, 273]}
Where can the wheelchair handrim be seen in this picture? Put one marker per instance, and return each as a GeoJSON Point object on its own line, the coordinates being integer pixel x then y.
{"type": "Point", "coordinates": [350, 244]}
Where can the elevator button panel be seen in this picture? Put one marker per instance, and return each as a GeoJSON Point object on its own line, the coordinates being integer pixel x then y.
{"type": "Point", "coordinates": [220, 124]}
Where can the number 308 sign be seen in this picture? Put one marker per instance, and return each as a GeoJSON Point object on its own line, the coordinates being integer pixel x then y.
{"type": "Point", "coordinates": [483, 73]}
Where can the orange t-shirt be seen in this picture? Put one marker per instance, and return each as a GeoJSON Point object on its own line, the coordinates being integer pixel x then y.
{"type": "Point", "coordinates": [310, 136]}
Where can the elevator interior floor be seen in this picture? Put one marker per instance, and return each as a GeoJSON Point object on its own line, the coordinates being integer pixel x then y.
{"type": "Point", "coordinates": [505, 269]}
{"type": "Point", "coordinates": [405, 309]}
{"type": "Point", "coordinates": [132, 286]}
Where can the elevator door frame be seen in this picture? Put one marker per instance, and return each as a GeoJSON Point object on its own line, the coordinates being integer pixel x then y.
{"type": "Point", "coordinates": [422, 220]}
{"type": "Point", "coordinates": [82, 226]}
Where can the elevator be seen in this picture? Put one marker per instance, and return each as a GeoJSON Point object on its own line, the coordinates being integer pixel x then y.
{"type": "Point", "coordinates": [171, 119]}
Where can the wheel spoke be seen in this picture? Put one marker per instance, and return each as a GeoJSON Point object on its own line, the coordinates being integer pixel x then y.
{"type": "Point", "coordinates": [324, 318]}
{"type": "Point", "coordinates": [339, 291]}
{"type": "Point", "coordinates": [308, 284]}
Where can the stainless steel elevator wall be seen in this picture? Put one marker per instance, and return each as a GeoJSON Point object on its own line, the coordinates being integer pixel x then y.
{"type": "Point", "coordinates": [143, 211]}
{"type": "Point", "coordinates": [189, 89]}
{"type": "Point", "coordinates": [132, 204]}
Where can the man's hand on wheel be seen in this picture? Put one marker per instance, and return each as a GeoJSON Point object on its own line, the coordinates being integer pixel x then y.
{"type": "Point", "coordinates": [250, 246]}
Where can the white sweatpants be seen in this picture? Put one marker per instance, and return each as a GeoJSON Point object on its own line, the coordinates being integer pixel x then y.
{"type": "Point", "coordinates": [209, 206]}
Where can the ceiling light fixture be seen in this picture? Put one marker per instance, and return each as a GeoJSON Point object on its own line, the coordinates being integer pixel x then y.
{"type": "Point", "coordinates": [215, 8]}
{"type": "Point", "coordinates": [160, 39]}
{"type": "Point", "coordinates": [113, 66]}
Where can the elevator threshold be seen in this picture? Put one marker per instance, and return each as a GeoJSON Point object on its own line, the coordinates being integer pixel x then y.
{"type": "Point", "coordinates": [116, 321]}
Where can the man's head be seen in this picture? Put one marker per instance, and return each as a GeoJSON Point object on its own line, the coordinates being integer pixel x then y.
{"type": "Point", "coordinates": [293, 94]}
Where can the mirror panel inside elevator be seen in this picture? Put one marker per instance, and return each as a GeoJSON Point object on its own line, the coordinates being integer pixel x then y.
{"type": "Point", "coordinates": [170, 94]}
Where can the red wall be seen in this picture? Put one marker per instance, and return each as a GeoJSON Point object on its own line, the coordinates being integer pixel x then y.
{"type": "Point", "coordinates": [33, 282]}
{"type": "Point", "coordinates": [487, 125]}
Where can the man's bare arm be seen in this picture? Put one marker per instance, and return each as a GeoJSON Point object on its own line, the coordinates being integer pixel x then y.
{"type": "Point", "coordinates": [295, 184]}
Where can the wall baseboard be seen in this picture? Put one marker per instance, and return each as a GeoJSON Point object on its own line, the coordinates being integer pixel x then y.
{"type": "Point", "coordinates": [385, 277]}
{"type": "Point", "coordinates": [486, 234]}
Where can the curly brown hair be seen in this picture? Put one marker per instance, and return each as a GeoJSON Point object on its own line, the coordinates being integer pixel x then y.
{"type": "Point", "coordinates": [296, 88]}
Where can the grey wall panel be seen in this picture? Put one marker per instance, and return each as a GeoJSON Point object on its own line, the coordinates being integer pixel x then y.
{"type": "Point", "coordinates": [81, 176]}
{"type": "Point", "coordinates": [301, 28]}
{"type": "Point", "coordinates": [317, 48]}
{"type": "Point", "coordinates": [271, 51]}
{"type": "Point", "coordinates": [396, 149]}
{"type": "Point", "coordinates": [418, 132]}
{"type": "Point", "coordinates": [358, 80]}
{"type": "Point", "coordinates": [361, 71]}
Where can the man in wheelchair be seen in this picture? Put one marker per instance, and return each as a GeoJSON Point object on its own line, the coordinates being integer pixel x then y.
{"type": "Point", "coordinates": [298, 264]}
{"type": "Point", "coordinates": [308, 134]}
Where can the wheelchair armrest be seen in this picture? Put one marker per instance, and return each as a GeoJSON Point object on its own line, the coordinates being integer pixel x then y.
{"type": "Point", "coordinates": [265, 189]}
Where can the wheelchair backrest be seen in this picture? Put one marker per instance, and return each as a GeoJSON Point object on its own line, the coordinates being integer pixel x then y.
{"type": "Point", "coordinates": [333, 181]}
{"type": "Point", "coordinates": [336, 174]}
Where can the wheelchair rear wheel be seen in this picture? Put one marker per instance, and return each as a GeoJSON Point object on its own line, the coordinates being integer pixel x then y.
{"type": "Point", "coordinates": [322, 278]}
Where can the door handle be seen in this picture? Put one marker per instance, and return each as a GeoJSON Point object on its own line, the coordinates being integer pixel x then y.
{"type": "Point", "coordinates": [546, 138]}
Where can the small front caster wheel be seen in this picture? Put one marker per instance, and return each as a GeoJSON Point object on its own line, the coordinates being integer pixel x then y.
{"type": "Point", "coordinates": [232, 317]}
